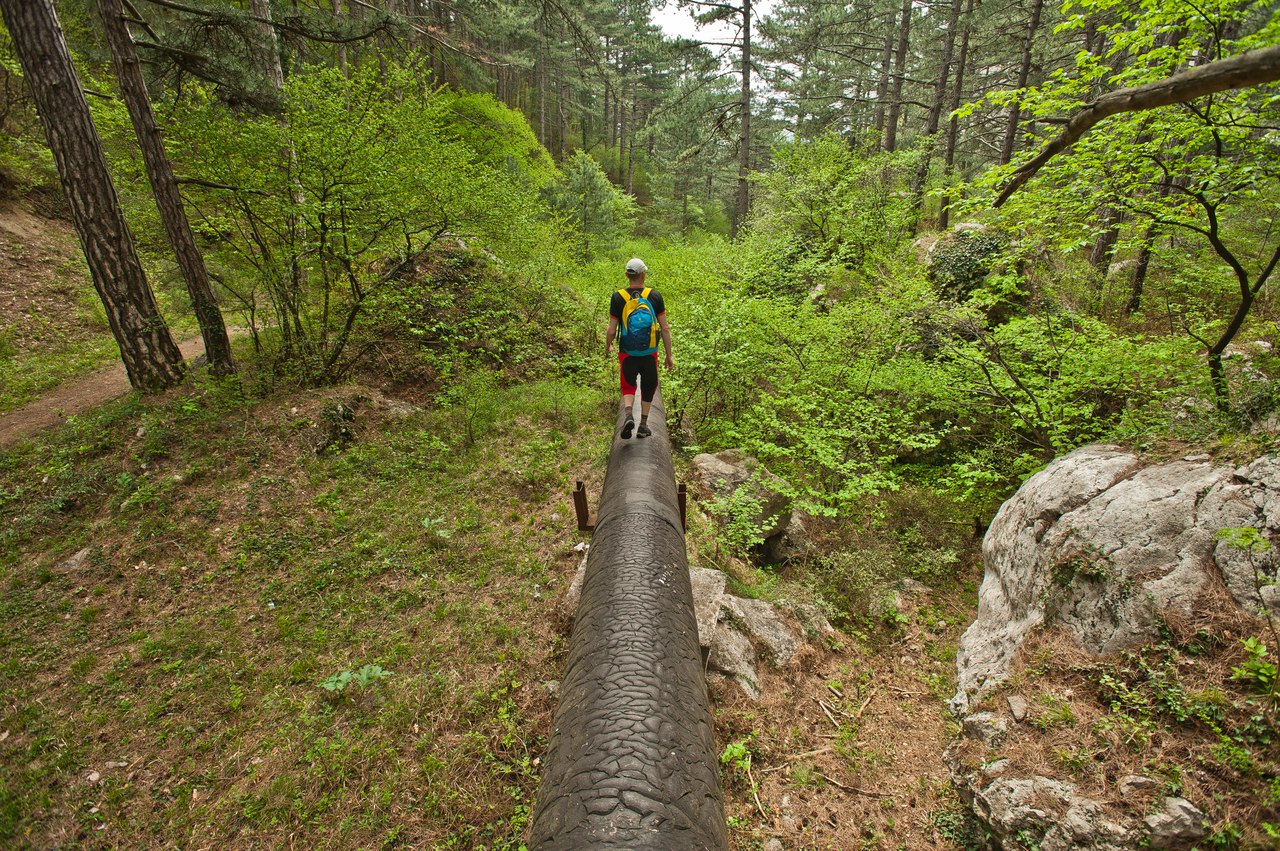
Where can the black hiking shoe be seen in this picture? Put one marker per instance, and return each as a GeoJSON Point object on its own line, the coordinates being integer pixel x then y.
{"type": "Point", "coordinates": [643, 431]}
{"type": "Point", "coordinates": [626, 428]}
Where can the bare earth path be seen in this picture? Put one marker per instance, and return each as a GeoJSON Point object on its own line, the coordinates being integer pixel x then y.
{"type": "Point", "coordinates": [75, 397]}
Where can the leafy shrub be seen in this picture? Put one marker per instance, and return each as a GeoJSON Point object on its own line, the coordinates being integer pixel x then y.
{"type": "Point", "coordinates": [961, 262]}
{"type": "Point", "coordinates": [856, 582]}
{"type": "Point", "coordinates": [310, 215]}
{"type": "Point", "coordinates": [823, 202]}
{"type": "Point", "coordinates": [601, 213]}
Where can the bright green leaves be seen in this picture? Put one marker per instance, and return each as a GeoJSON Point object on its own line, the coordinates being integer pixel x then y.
{"type": "Point", "coordinates": [823, 201]}
{"type": "Point", "coordinates": [305, 210]}
{"type": "Point", "coordinates": [1051, 380]}
{"type": "Point", "coordinates": [830, 399]}
{"type": "Point", "coordinates": [1204, 174]}
{"type": "Point", "coordinates": [362, 678]}
{"type": "Point", "coordinates": [599, 211]}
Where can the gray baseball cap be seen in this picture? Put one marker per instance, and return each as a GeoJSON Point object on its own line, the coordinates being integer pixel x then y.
{"type": "Point", "coordinates": [635, 266]}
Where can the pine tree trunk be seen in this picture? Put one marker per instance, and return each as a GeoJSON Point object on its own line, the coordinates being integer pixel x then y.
{"type": "Point", "coordinates": [268, 47]}
{"type": "Point", "coordinates": [899, 72]}
{"type": "Point", "coordinates": [1024, 73]}
{"type": "Point", "coordinates": [336, 6]}
{"type": "Point", "coordinates": [133, 89]}
{"type": "Point", "coordinates": [743, 202]}
{"type": "Point", "coordinates": [1140, 269]}
{"type": "Point", "coordinates": [953, 124]}
{"type": "Point", "coordinates": [935, 108]}
{"type": "Point", "coordinates": [1104, 245]}
{"type": "Point", "coordinates": [610, 120]}
{"type": "Point", "coordinates": [150, 356]}
{"type": "Point", "coordinates": [882, 85]}
{"type": "Point", "coordinates": [542, 82]}
{"type": "Point", "coordinates": [631, 162]}
{"type": "Point", "coordinates": [622, 132]}
{"type": "Point", "coordinates": [562, 95]}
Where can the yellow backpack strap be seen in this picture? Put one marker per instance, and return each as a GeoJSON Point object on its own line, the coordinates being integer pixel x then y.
{"type": "Point", "coordinates": [653, 329]}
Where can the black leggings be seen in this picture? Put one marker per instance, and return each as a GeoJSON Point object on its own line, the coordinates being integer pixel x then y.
{"type": "Point", "coordinates": [643, 367]}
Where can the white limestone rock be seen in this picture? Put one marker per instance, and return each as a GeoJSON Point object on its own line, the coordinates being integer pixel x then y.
{"type": "Point", "coordinates": [1102, 545]}
{"type": "Point", "coordinates": [732, 654]}
{"type": "Point", "coordinates": [708, 589]}
{"type": "Point", "coordinates": [1180, 824]}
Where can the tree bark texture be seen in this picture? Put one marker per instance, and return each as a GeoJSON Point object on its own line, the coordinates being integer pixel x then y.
{"type": "Point", "coordinates": [939, 100]}
{"type": "Point", "coordinates": [953, 123]}
{"type": "Point", "coordinates": [133, 89]}
{"type": "Point", "coordinates": [1140, 269]}
{"type": "Point", "coordinates": [882, 84]}
{"type": "Point", "coordinates": [1104, 245]}
{"type": "Point", "coordinates": [150, 356]}
{"type": "Point", "coordinates": [336, 6]}
{"type": "Point", "coordinates": [269, 47]}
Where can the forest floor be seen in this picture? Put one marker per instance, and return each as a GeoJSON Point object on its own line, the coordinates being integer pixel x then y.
{"type": "Point", "coordinates": [75, 396]}
{"type": "Point", "coordinates": [52, 330]}
{"type": "Point", "coordinates": [187, 578]}
{"type": "Point", "coordinates": [52, 326]}
{"type": "Point", "coordinates": [184, 574]}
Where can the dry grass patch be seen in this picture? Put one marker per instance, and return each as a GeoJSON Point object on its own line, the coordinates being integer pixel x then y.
{"type": "Point", "coordinates": [166, 685]}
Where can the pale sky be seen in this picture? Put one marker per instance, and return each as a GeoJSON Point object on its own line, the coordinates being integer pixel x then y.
{"type": "Point", "coordinates": [678, 22]}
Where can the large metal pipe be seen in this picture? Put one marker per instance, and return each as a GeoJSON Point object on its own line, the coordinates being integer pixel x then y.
{"type": "Point", "coordinates": [631, 762]}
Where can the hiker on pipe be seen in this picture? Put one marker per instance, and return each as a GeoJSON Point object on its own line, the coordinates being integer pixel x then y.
{"type": "Point", "coordinates": [636, 315]}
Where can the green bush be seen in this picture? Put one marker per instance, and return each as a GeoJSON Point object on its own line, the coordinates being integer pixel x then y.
{"type": "Point", "coordinates": [311, 214]}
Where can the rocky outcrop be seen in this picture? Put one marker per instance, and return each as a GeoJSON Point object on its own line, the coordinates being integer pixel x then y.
{"type": "Point", "coordinates": [1051, 809]}
{"type": "Point", "coordinates": [757, 496]}
{"type": "Point", "coordinates": [734, 474]}
{"type": "Point", "coordinates": [1105, 547]}
{"type": "Point", "coordinates": [735, 633]}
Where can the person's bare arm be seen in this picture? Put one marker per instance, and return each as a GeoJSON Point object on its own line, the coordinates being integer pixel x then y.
{"type": "Point", "coordinates": [666, 339]}
{"type": "Point", "coordinates": [611, 333]}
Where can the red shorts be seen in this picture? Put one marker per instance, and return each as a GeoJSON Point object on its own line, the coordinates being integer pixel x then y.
{"type": "Point", "coordinates": [643, 367]}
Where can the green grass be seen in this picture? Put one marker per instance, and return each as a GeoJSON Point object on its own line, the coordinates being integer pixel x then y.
{"type": "Point", "coordinates": [24, 379]}
{"type": "Point", "coordinates": [231, 571]}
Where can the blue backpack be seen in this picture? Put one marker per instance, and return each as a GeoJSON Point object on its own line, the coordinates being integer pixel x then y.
{"type": "Point", "coordinates": [639, 330]}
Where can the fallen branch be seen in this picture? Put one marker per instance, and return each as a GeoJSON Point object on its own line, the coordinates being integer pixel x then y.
{"type": "Point", "coordinates": [904, 691]}
{"type": "Point", "coordinates": [795, 757]}
{"type": "Point", "coordinates": [865, 704]}
{"type": "Point", "coordinates": [853, 789]}
{"type": "Point", "coordinates": [827, 711]}
{"type": "Point", "coordinates": [754, 793]}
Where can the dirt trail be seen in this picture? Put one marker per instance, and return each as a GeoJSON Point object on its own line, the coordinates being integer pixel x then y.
{"type": "Point", "coordinates": [75, 397]}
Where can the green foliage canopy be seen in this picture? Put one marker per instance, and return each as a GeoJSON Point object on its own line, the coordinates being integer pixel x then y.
{"type": "Point", "coordinates": [599, 211]}
{"type": "Point", "coordinates": [312, 209]}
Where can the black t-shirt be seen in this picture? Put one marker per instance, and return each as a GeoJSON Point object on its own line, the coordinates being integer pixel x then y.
{"type": "Point", "coordinates": [616, 303]}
